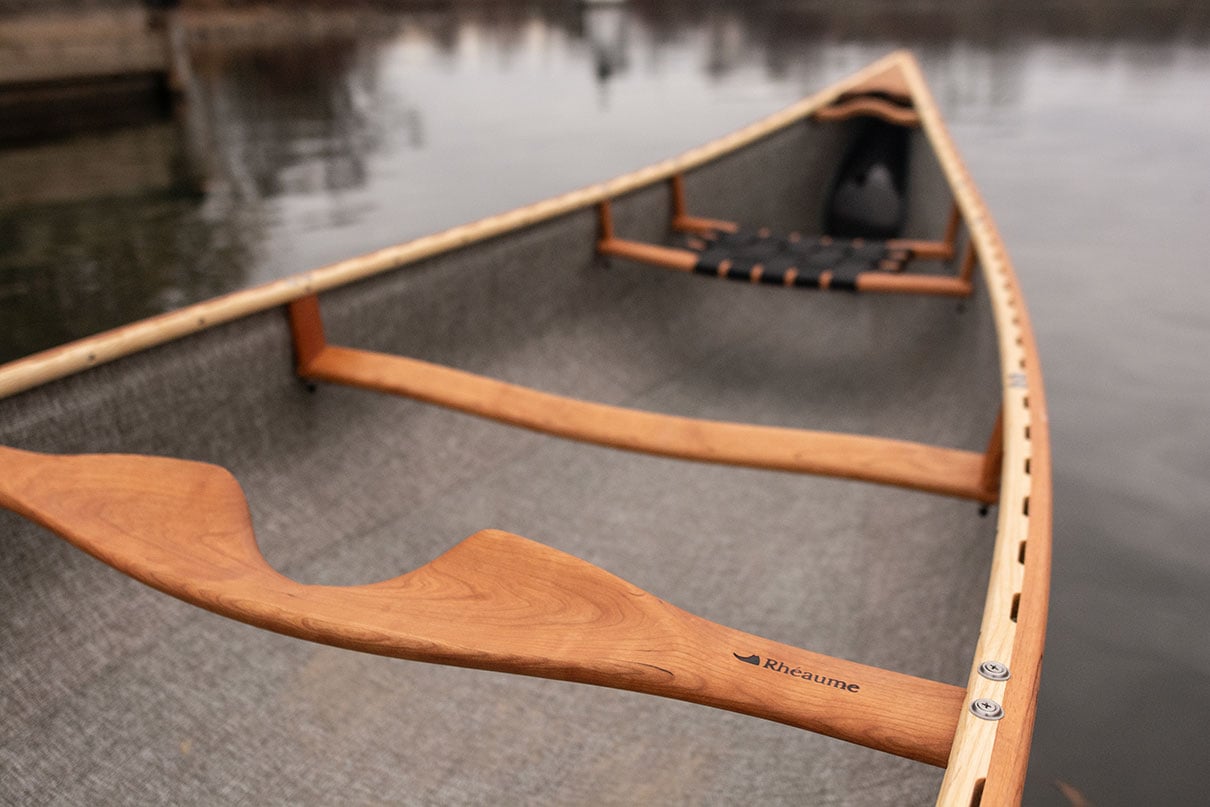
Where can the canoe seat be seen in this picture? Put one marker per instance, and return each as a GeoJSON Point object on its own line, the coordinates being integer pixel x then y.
{"type": "Point", "coordinates": [725, 249]}
{"type": "Point", "coordinates": [793, 260]}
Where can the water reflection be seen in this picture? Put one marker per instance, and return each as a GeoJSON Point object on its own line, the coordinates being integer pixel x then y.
{"type": "Point", "coordinates": [287, 120]}
{"type": "Point", "coordinates": [298, 132]}
{"type": "Point", "coordinates": [101, 230]}
{"type": "Point", "coordinates": [606, 29]}
{"type": "Point", "coordinates": [313, 138]}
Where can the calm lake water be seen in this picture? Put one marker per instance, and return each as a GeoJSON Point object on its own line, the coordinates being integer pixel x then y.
{"type": "Point", "coordinates": [1086, 125]}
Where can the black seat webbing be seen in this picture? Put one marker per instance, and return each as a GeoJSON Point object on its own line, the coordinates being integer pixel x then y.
{"type": "Point", "coordinates": [739, 255]}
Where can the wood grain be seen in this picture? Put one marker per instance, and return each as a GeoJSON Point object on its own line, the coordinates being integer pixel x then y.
{"type": "Point", "coordinates": [924, 250]}
{"type": "Point", "coordinates": [947, 471]}
{"type": "Point", "coordinates": [684, 260]}
{"type": "Point", "coordinates": [682, 221]}
{"type": "Point", "coordinates": [698, 224]}
{"type": "Point", "coordinates": [867, 106]}
{"type": "Point", "coordinates": [495, 601]}
{"type": "Point", "coordinates": [885, 77]}
{"type": "Point", "coordinates": [991, 758]}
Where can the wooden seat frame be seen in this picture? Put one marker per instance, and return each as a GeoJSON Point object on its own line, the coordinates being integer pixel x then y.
{"type": "Point", "coordinates": [685, 260]}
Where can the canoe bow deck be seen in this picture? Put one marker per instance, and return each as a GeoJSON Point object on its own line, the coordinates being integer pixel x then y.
{"type": "Point", "coordinates": [901, 389]}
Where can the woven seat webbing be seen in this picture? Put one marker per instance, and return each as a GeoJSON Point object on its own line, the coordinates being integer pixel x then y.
{"type": "Point", "coordinates": [759, 256]}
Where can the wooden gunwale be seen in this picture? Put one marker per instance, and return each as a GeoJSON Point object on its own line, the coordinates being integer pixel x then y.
{"type": "Point", "coordinates": [988, 760]}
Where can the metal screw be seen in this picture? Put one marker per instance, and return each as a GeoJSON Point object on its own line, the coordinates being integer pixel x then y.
{"type": "Point", "coordinates": [994, 671]}
{"type": "Point", "coordinates": [986, 708]}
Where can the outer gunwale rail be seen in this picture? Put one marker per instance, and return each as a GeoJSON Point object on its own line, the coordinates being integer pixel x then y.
{"type": "Point", "coordinates": [988, 762]}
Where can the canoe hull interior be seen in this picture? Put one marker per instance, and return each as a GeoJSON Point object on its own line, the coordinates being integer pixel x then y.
{"type": "Point", "coordinates": [114, 692]}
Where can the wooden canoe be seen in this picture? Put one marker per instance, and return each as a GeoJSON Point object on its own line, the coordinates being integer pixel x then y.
{"type": "Point", "coordinates": [848, 422]}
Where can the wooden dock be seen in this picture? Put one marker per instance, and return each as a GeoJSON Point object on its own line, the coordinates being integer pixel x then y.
{"type": "Point", "coordinates": [58, 48]}
{"type": "Point", "coordinates": [65, 72]}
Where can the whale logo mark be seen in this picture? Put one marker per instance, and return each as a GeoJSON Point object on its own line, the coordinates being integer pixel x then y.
{"type": "Point", "coordinates": [753, 659]}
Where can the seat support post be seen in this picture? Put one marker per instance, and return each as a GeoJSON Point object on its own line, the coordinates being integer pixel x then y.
{"type": "Point", "coordinates": [967, 270]}
{"type": "Point", "coordinates": [307, 329]}
{"type": "Point", "coordinates": [605, 220]}
{"type": "Point", "coordinates": [951, 226]}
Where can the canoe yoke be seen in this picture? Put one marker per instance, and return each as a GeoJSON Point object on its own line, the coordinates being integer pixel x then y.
{"type": "Point", "coordinates": [721, 248]}
{"type": "Point", "coordinates": [495, 601]}
{"type": "Point", "coordinates": [918, 466]}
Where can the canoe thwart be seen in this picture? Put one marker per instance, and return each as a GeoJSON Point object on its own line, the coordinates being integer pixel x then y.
{"type": "Point", "coordinates": [947, 471]}
{"type": "Point", "coordinates": [495, 601]}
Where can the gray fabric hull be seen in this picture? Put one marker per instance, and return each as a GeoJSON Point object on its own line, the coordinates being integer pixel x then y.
{"type": "Point", "coordinates": [113, 693]}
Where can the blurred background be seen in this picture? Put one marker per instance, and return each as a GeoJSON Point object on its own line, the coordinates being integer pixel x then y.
{"type": "Point", "coordinates": [153, 156]}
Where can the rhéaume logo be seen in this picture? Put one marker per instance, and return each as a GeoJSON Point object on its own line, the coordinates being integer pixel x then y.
{"type": "Point", "coordinates": [797, 672]}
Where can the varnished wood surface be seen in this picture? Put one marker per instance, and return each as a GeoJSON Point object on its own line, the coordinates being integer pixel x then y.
{"type": "Point", "coordinates": [991, 758]}
{"type": "Point", "coordinates": [697, 224]}
{"type": "Point", "coordinates": [868, 107]}
{"type": "Point", "coordinates": [681, 260]}
{"type": "Point", "coordinates": [893, 462]}
{"type": "Point", "coordinates": [924, 250]}
{"type": "Point", "coordinates": [681, 219]}
{"type": "Point", "coordinates": [885, 77]}
{"type": "Point", "coordinates": [495, 601]}
{"type": "Point", "coordinates": [684, 260]}
{"type": "Point", "coordinates": [936, 285]}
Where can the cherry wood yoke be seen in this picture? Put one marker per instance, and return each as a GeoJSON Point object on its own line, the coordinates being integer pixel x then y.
{"type": "Point", "coordinates": [495, 601]}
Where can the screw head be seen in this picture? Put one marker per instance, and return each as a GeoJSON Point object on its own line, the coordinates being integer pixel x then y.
{"type": "Point", "coordinates": [994, 671]}
{"type": "Point", "coordinates": [987, 709]}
